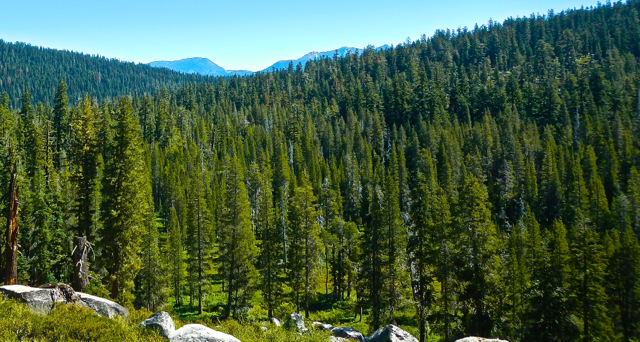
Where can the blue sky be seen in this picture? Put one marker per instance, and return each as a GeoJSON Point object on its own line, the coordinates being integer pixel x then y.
{"type": "Point", "coordinates": [244, 34]}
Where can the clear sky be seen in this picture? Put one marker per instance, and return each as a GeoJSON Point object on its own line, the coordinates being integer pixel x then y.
{"type": "Point", "coordinates": [244, 34]}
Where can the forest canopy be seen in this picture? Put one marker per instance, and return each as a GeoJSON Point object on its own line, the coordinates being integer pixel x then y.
{"type": "Point", "coordinates": [484, 181]}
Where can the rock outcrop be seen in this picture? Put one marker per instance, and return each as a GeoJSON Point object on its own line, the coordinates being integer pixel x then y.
{"type": "Point", "coordinates": [39, 300]}
{"type": "Point", "coordinates": [322, 326]}
{"type": "Point", "coordinates": [391, 333]}
{"type": "Point", "coordinates": [348, 333]}
{"type": "Point", "coordinates": [337, 339]}
{"type": "Point", "coordinates": [200, 333]}
{"type": "Point", "coordinates": [296, 322]}
{"type": "Point", "coordinates": [275, 321]}
{"type": "Point", "coordinates": [479, 339]}
{"type": "Point", "coordinates": [44, 299]}
{"type": "Point", "coordinates": [162, 322]}
{"type": "Point", "coordinates": [103, 307]}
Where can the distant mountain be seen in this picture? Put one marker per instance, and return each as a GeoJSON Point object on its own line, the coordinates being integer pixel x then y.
{"type": "Point", "coordinates": [198, 65]}
{"type": "Point", "coordinates": [204, 66]}
{"type": "Point", "coordinates": [343, 51]}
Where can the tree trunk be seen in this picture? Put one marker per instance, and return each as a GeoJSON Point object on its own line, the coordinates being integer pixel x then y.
{"type": "Point", "coordinates": [422, 324]}
{"type": "Point", "coordinates": [80, 267]}
{"type": "Point", "coordinates": [11, 249]}
{"type": "Point", "coordinates": [115, 286]}
{"type": "Point", "coordinates": [326, 263]}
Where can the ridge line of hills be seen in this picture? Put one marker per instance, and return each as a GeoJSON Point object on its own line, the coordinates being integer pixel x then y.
{"type": "Point", "coordinates": [204, 66]}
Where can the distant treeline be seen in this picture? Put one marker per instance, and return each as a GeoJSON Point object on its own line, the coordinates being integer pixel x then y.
{"type": "Point", "coordinates": [484, 181]}
{"type": "Point", "coordinates": [38, 69]}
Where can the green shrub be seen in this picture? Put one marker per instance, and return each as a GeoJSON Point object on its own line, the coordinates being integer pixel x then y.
{"type": "Point", "coordinates": [73, 323]}
{"type": "Point", "coordinates": [68, 323]}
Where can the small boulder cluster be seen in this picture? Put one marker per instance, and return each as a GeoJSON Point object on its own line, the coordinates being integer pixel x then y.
{"type": "Point", "coordinates": [163, 323]}
{"type": "Point", "coordinates": [390, 333]}
{"type": "Point", "coordinates": [44, 299]}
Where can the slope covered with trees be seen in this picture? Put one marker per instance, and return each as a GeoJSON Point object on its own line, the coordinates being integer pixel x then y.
{"type": "Point", "coordinates": [484, 181]}
{"type": "Point", "coordinates": [38, 69]}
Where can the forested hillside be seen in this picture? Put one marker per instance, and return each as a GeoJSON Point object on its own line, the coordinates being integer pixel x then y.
{"type": "Point", "coordinates": [484, 181]}
{"type": "Point", "coordinates": [23, 66]}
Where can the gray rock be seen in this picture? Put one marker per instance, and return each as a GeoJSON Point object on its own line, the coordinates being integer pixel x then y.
{"type": "Point", "coordinates": [348, 333]}
{"type": "Point", "coordinates": [103, 307]}
{"type": "Point", "coordinates": [337, 339]}
{"type": "Point", "coordinates": [296, 322]}
{"type": "Point", "coordinates": [162, 322]}
{"type": "Point", "coordinates": [322, 326]}
{"type": "Point", "coordinates": [479, 339]}
{"type": "Point", "coordinates": [44, 299]}
{"type": "Point", "coordinates": [275, 322]}
{"type": "Point", "coordinates": [39, 300]}
{"type": "Point", "coordinates": [200, 333]}
{"type": "Point", "coordinates": [391, 333]}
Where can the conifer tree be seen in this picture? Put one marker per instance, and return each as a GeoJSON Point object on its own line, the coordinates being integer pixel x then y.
{"type": "Point", "coordinates": [270, 243]}
{"type": "Point", "coordinates": [237, 243]}
{"type": "Point", "coordinates": [304, 244]}
{"type": "Point", "coordinates": [372, 248]}
{"type": "Point", "coordinates": [198, 225]}
{"type": "Point", "coordinates": [633, 194]}
{"type": "Point", "coordinates": [549, 312]}
{"type": "Point", "coordinates": [152, 279]}
{"type": "Point", "coordinates": [60, 122]}
{"type": "Point", "coordinates": [624, 286]}
{"type": "Point", "coordinates": [176, 256]}
{"type": "Point", "coordinates": [127, 204]}
{"type": "Point", "coordinates": [84, 153]}
{"type": "Point", "coordinates": [479, 245]}
{"type": "Point", "coordinates": [396, 238]}
{"type": "Point", "coordinates": [429, 247]}
{"type": "Point", "coordinates": [550, 188]}
{"type": "Point", "coordinates": [587, 282]}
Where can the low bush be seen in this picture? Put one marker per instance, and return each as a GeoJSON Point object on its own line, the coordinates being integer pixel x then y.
{"type": "Point", "coordinates": [73, 323]}
{"type": "Point", "coordinates": [68, 323]}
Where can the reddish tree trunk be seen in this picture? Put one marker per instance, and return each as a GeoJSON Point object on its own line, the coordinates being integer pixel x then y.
{"type": "Point", "coordinates": [11, 248]}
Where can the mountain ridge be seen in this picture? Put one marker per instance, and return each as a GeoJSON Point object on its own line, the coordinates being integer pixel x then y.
{"type": "Point", "coordinates": [205, 66]}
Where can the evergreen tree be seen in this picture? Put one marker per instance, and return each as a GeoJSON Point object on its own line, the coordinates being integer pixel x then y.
{"type": "Point", "coordinates": [270, 243]}
{"type": "Point", "coordinates": [60, 123]}
{"type": "Point", "coordinates": [152, 279]}
{"type": "Point", "coordinates": [624, 286]}
{"type": "Point", "coordinates": [85, 155]}
{"type": "Point", "coordinates": [198, 226]}
{"type": "Point", "coordinates": [429, 247]}
{"type": "Point", "coordinates": [372, 253]}
{"type": "Point", "coordinates": [176, 256]}
{"type": "Point", "coordinates": [549, 312]}
{"type": "Point", "coordinates": [396, 238]}
{"type": "Point", "coordinates": [127, 206]}
{"type": "Point", "coordinates": [587, 282]}
{"type": "Point", "coordinates": [304, 243]}
{"type": "Point", "coordinates": [237, 243]}
{"type": "Point", "coordinates": [479, 245]}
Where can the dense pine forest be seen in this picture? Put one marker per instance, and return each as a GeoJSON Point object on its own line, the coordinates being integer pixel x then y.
{"type": "Point", "coordinates": [478, 182]}
{"type": "Point", "coordinates": [23, 66]}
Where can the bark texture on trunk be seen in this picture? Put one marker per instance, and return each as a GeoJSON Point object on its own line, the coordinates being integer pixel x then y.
{"type": "Point", "coordinates": [80, 266]}
{"type": "Point", "coordinates": [11, 247]}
